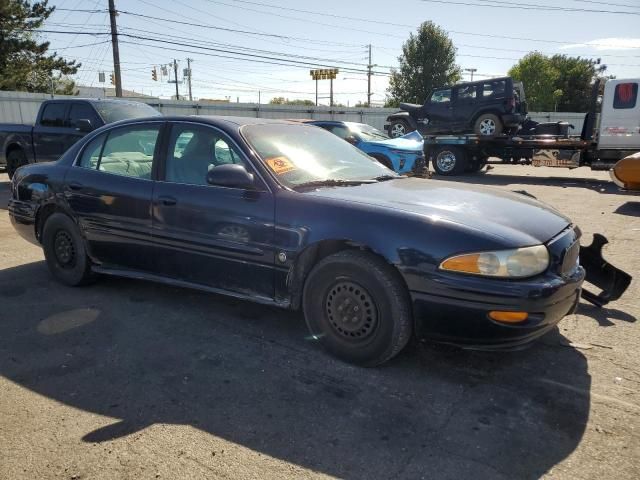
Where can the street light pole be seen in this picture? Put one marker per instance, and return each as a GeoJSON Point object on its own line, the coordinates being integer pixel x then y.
{"type": "Point", "coordinates": [471, 70]}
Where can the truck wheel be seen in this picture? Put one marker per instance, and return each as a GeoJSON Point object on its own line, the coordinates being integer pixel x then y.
{"type": "Point", "coordinates": [15, 159]}
{"type": "Point", "coordinates": [65, 252]}
{"type": "Point", "coordinates": [488, 124]}
{"type": "Point", "coordinates": [449, 161]}
{"type": "Point", "coordinates": [356, 305]}
{"type": "Point", "coordinates": [398, 128]}
{"type": "Point", "coordinates": [475, 166]}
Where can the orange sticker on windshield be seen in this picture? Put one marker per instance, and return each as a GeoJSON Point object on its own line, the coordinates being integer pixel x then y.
{"type": "Point", "coordinates": [280, 165]}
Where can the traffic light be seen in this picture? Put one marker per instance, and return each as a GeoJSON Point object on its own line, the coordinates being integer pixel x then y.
{"type": "Point", "coordinates": [113, 82]}
{"type": "Point", "coordinates": [154, 74]}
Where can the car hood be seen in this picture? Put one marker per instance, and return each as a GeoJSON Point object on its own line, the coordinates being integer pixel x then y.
{"type": "Point", "coordinates": [515, 218]}
{"type": "Point", "coordinates": [411, 141]}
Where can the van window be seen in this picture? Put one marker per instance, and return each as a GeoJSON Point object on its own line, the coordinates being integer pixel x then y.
{"type": "Point", "coordinates": [626, 95]}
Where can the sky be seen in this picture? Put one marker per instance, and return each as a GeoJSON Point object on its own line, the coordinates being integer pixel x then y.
{"type": "Point", "coordinates": [279, 41]}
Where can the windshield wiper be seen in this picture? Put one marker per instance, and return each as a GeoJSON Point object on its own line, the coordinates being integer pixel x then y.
{"type": "Point", "coordinates": [332, 182]}
{"type": "Point", "coordinates": [383, 178]}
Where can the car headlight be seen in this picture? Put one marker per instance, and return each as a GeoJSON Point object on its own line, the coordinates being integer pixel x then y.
{"type": "Point", "coordinates": [515, 263]}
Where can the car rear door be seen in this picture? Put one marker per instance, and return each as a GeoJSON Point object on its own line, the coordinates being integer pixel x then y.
{"type": "Point", "coordinates": [219, 237]}
{"type": "Point", "coordinates": [109, 190]}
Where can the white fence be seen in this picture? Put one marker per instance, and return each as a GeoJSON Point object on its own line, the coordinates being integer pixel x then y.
{"type": "Point", "coordinates": [21, 107]}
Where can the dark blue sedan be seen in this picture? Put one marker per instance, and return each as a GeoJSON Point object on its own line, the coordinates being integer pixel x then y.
{"type": "Point", "coordinates": [290, 215]}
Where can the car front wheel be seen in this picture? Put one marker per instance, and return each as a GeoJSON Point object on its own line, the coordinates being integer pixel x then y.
{"type": "Point", "coordinates": [357, 306]}
{"type": "Point", "coordinates": [398, 128]}
{"type": "Point", "coordinates": [65, 252]}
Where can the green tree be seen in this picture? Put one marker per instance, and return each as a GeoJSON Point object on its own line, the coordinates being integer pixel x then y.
{"type": "Point", "coordinates": [559, 82]}
{"type": "Point", "coordinates": [25, 62]}
{"type": "Point", "coordinates": [427, 61]}
{"type": "Point", "coordinates": [539, 77]}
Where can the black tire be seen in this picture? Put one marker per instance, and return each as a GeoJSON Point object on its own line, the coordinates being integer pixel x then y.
{"type": "Point", "coordinates": [397, 128]}
{"type": "Point", "coordinates": [488, 125]}
{"type": "Point", "coordinates": [65, 252]}
{"type": "Point", "coordinates": [15, 159]}
{"type": "Point", "coordinates": [476, 165]}
{"type": "Point", "coordinates": [449, 161]}
{"type": "Point", "coordinates": [378, 323]}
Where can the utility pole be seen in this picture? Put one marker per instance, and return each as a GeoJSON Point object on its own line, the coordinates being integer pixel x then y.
{"type": "Point", "coordinates": [369, 67]}
{"type": "Point", "coordinates": [114, 45]}
{"type": "Point", "coordinates": [471, 70]}
{"type": "Point", "coordinates": [175, 77]}
{"type": "Point", "coordinates": [331, 92]}
{"type": "Point", "coordinates": [189, 60]}
{"type": "Point", "coordinates": [316, 92]}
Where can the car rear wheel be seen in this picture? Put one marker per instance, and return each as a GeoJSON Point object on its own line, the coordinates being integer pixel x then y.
{"type": "Point", "coordinates": [357, 306]}
{"type": "Point", "coordinates": [15, 159]}
{"type": "Point", "coordinates": [449, 161]}
{"type": "Point", "coordinates": [488, 124]}
{"type": "Point", "coordinates": [398, 128]}
{"type": "Point", "coordinates": [65, 252]}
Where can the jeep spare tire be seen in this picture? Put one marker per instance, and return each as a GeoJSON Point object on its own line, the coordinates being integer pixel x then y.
{"type": "Point", "coordinates": [487, 124]}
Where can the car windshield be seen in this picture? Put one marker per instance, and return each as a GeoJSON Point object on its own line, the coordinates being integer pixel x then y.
{"type": "Point", "coordinates": [367, 132]}
{"type": "Point", "coordinates": [302, 154]}
{"type": "Point", "coordinates": [116, 111]}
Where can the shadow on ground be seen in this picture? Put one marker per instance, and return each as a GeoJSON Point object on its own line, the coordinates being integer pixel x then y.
{"type": "Point", "coordinates": [144, 354]}
{"type": "Point", "coordinates": [631, 209]}
{"type": "Point", "coordinates": [492, 178]}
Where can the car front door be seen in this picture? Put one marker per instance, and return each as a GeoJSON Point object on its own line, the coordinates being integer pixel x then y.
{"type": "Point", "coordinates": [439, 110]}
{"type": "Point", "coordinates": [109, 190]}
{"type": "Point", "coordinates": [50, 134]}
{"type": "Point", "coordinates": [79, 111]}
{"type": "Point", "coordinates": [219, 237]}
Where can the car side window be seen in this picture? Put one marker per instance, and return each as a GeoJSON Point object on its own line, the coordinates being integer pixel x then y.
{"type": "Point", "coordinates": [340, 131]}
{"type": "Point", "coordinates": [441, 96]}
{"type": "Point", "coordinates": [196, 149]}
{"type": "Point", "coordinates": [127, 151]}
{"type": "Point", "coordinates": [91, 153]}
{"type": "Point", "coordinates": [467, 93]}
{"type": "Point", "coordinates": [81, 111]}
{"type": "Point", "coordinates": [53, 115]}
{"type": "Point", "coordinates": [490, 89]}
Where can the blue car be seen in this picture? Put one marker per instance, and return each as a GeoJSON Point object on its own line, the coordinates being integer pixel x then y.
{"type": "Point", "coordinates": [403, 154]}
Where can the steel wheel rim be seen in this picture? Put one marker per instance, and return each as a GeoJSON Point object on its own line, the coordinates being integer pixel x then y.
{"type": "Point", "coordinates": [446, 161]}
{"type": "Point", "coordinates": [397, 130]}
{"type": "Point", "coordinates": [487, 126]}
{"type": "Point", "coordinates": [351, 311]}
{"type": "Point", "coordinates": [64, 249]}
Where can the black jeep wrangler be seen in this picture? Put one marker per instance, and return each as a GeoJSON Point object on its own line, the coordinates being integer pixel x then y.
{"type": "Point", "coordinates": [486, 107]}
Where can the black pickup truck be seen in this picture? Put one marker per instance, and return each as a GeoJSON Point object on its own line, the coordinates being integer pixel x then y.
{"type": "Point", "coordinates": [60, 124]}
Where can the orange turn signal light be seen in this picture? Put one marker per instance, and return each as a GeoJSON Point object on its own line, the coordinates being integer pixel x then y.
{"type": "Point", "coordinates": [508, 317]}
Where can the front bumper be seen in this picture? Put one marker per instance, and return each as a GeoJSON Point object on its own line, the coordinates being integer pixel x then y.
{"type": "Point", "coordinates": [456, 311]}
{"type": "Point", "coordinates": [23, 219]}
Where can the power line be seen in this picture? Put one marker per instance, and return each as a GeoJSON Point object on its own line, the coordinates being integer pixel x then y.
{"type": "Point", "coordinates": [529, 6]}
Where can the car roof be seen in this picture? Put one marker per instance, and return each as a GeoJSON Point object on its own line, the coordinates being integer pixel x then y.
{"type": "Point", "coordinates": [223, 121]}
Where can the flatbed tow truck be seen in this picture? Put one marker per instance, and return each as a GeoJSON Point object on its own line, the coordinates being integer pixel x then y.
{"type": "Point", "coordinates": [611, 132]}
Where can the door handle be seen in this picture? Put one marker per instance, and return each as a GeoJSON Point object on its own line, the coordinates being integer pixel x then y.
{"type": "Point", "coordinates": [75, 186]}
{"type": "Point", "coordinates": [167, 200]}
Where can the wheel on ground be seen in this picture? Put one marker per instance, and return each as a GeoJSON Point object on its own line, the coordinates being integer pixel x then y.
{"type": "Point", "coordinates": [357, 306]}
{"type": "Point", "coordinates": [398, 128]}
{"type": "Point", "coordinates": [449, 161]}
{"type": "Point", "coordinates": [488, 124]}
{"type": "Point", "coordinates": [65, 252]}
{"type": "Point", "coordinates": [15, 159]}
{"type": "Point", "coordinates": [474, 166]}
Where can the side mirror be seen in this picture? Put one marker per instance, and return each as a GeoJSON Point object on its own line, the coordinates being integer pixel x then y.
{"type": "Point", "coordinates": [84, 125]}
{"type": "Point", "coordinates": [230, 175]}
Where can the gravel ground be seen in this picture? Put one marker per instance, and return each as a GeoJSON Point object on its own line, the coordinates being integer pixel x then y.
{"type": "Point", "coordinates": [132, 380]}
